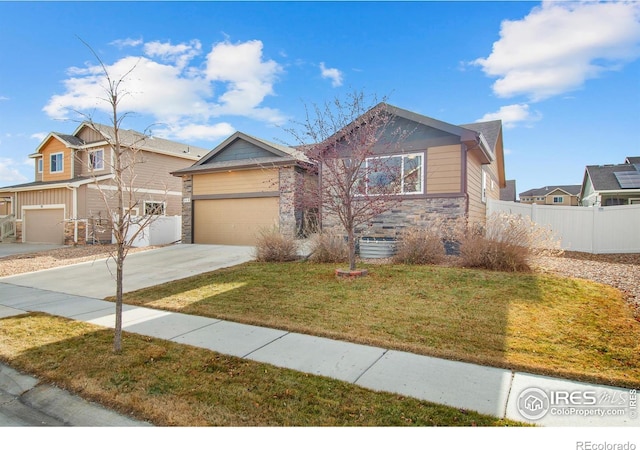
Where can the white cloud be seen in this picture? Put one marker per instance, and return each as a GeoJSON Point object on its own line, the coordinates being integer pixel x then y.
{"type": "Point", "coordinates": [332, 74]}
{"type": "Point", "coordinates": [180, 54]}
{"type": "Point", "coordinates": [128, 42]}
{"type": "Point", "coordinates": [248, 78]}
{"type": "Point", "coordinates": [39, 136]}
{"type": "Point", "coordinates": [9, 173]}
{"type": "Point", "coordinates": [560, 45]}
{"type": "Point", "coordinates": [170, 83]}
{"type": "Point", "coordinates": [513, 115]}
{"type": "Point", "coordinates": [3, 98]}
{"type": "Point", "coordinates": [196, 131]}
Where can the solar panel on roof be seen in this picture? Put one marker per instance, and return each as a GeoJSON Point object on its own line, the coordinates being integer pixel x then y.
{"type": "Point", "coordinates": [628, 180]}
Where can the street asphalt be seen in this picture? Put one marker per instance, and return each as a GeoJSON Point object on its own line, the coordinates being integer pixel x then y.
{"type": "Point", "coordinates": [76, 292]}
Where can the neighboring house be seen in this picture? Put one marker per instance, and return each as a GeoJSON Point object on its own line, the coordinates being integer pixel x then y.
{"type": "Point", "coordinates": [508, 193]}
{"type": "Point", "coordinates": [564, 195]}
{"type": "Point", "coordinates": [245, 183]}
{"type": "Point", "coordinates": [64, 205]}
{"type": "Point", "coordinates": [612, 184]}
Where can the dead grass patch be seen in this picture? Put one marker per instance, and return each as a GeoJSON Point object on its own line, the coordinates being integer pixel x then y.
{"type": "Point", "coordinates": [177, 385]}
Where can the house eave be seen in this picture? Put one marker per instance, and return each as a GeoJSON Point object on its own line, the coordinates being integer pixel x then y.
{"type": "Point", "coordinates": [62, 184]}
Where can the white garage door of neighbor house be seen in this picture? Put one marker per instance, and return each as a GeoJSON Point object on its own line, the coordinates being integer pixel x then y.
{"type": "Point", "coordinates": [233, 221]}
{"type": "Point", "coordinates": [43, 226]}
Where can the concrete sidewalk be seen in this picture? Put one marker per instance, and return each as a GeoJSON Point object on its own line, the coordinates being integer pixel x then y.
{"type": "Point", "coordinates": [498, 392]}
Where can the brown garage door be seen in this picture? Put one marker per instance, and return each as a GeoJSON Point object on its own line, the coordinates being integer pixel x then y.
{"type": "Point", "coordinates": [233, 221]}
{"type": "Point", "coordinates": [43, 226]}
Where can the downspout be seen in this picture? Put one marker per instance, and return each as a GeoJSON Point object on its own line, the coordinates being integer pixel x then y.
{"type": "Point", "coordinates": [463, 181]}
{"type": "Point", "coordinates": [74, 209]}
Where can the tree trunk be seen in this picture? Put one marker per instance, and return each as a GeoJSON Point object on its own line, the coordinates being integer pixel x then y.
{"type": "Point", "coordinates": [352, 249]}
{"type": "Point", "coordinates": [117, 339]}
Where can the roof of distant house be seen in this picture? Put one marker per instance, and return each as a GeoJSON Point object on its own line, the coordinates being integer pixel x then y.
{"type": "Point", "coordinates": [603, 178]}
{"type": "Point", "coordinates": [573, 189]}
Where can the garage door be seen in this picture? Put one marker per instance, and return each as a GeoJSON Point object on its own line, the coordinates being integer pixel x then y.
{"type": "Point", "coordinates": [43, 226]}
{"type": "Point", "coordinates": [233, 221]}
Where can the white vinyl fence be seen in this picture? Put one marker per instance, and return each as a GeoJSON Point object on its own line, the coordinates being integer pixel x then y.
{"type": "Point", "coordinates": [163, 230]}
{"type": "Point", "coordinates": [610, 229]}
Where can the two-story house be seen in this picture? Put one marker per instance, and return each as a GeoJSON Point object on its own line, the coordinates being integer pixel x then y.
{"type": "Point", "coordinates": [75, 180]}
{"type": "Point", "coordinates": [564, 195]}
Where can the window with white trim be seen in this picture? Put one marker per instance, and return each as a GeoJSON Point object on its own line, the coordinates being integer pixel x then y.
{"type": "Point", "coordinates": [96, 159]}
{"type": "Point", "coordinates": [396, 174]}
{"type": "Point", "coordinates": [57, 163]}
{"type": "Point", "coordinates": [558, 199]}
{"type": "Point", "coordinates": [39, 163]}
{"type": "Point", "coordinates": [153, 208]}
{"type": "Point", "coordinates": [483, 193]}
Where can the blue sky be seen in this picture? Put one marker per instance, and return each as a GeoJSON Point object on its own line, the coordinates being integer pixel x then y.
{"type": "Point", "coordinates": [563, 76]}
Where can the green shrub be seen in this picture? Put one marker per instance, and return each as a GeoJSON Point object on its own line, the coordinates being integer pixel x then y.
{"type": "Point", "coordinates": [328, 248]}
{"type": "Point", "coordinates": [419, 246]}
{"type": "Point", "coordinates": [272, 246]}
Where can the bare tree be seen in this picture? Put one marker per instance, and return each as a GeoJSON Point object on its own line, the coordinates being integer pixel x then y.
{"type": "Point", "coordinates": [349, 142]}
{"type": "Point", "coordinates": [119, 194]}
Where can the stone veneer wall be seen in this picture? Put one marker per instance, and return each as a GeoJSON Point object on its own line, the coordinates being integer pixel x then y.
{"type": "Point", "coordinates": [409, 213]}
{"type": "Point", "coordinates": [291, 179]}
{"type": "Point", "coordinates": [187, 205]}
{"type": "Point", "coordinates": [69, 233]}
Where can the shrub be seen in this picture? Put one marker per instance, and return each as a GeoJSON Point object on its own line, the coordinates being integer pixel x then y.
{"type": "Point", "coordinates": [272, 246]}
{"type": "Point", "coordinates": [328, 248]}
{"type": "Point", "coordinates": [419, 246]}
{"type": "Point", "coordinates": [506, 243]}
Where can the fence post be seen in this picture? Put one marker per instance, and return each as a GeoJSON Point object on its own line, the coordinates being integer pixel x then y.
{"type": "Point", "coordinates": [533, 212]}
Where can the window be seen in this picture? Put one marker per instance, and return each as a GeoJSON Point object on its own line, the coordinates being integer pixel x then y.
{"type": "Point", "coordinates": [153, 208]}
{"type": "Point", "coordinates": [96, 160]}
{"type": "Point", "coordinates": [483, 193]}
{"type": "Point", "coordinates": [401, 174]}
{"type": "Point", "coordinates": [558, 199]}
{"type": "Point", "coordinates": [39, 163]}
{"type": "Point", "coordinates": [56, 163]}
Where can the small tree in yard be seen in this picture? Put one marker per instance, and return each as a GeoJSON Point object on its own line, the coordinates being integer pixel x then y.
{"type": "Point", "coordinates": [346, 141]}
{"type": "Point", "coordinates": [119, 195]}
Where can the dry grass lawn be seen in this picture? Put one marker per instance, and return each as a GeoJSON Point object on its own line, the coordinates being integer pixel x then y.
{"type": "Point", "coordinates": [177, 385]}
{"type": "Point", "coordinates": [532, 322]}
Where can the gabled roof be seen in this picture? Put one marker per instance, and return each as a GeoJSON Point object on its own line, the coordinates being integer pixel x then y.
{"type": "Point", "coordinates": [472, 134]}
{"type": "Point", "coordinates": [633, 160]}
{"type": "Point", "coordinates": [273, 155]}
{"type": "Point", "coordinates": [571, 189]}
{"type": "Point", "coordinates": [603, 177]}
{"type": "Point", "coordinates": [132, 138]}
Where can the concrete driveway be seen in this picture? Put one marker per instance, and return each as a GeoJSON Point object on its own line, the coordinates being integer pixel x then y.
{"type": "Point", "coordinates": [149, 268]}
{"type": "Point", "coordinates": [12, 248]}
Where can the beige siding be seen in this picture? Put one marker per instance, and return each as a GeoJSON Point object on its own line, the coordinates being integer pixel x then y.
{"type": "Point", "coordinates": [477, 209]}
{"type": "Point", "coordinates": [444, 169]}
{"type": "Point", "coordinates": [82, 162]}
{"type": "Point", "coordinates": [88, 134]}
{"type": "Point", "coordinates": [45, 197]}
{"type": "Point", "coordinates": [241, 181]}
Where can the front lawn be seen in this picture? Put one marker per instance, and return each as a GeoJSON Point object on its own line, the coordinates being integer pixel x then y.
{"type": "Point", "coordinates": [170, 384]}
{"type": "Point", "coordinates": [530, 322]}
